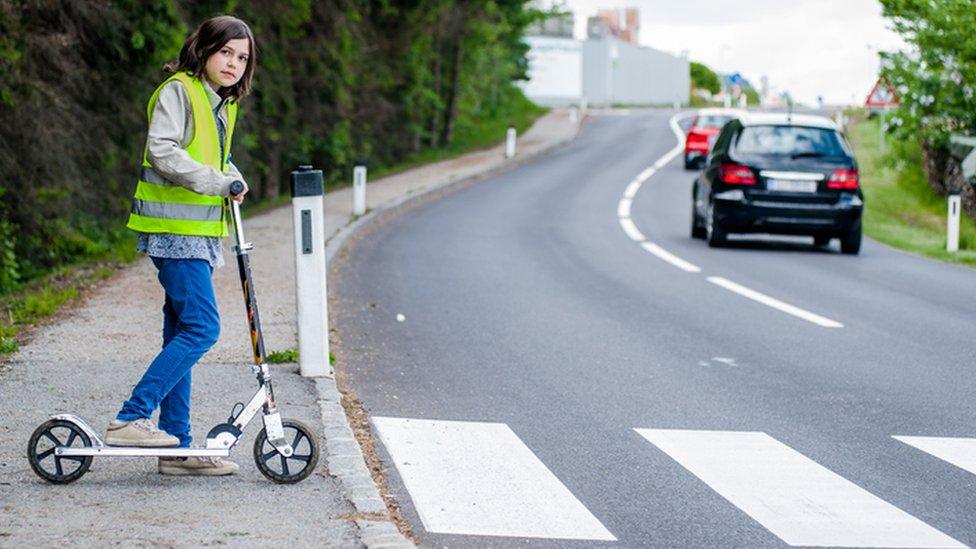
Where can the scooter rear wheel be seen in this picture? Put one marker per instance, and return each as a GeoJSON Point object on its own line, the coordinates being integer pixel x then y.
{"type": "Point", "coordinates": [51, 467]}
{"type": "Point", "coordinates": [294, 468]}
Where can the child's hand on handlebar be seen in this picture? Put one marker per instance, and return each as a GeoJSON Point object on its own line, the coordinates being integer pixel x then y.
{"type": "Point", "coordinates": [238, 196]}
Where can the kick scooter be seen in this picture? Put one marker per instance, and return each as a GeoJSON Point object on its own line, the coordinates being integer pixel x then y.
{"type": "Point", "coordinates": [286, 451]}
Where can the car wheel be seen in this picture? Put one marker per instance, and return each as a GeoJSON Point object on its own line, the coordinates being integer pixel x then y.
{"type": "Point", "coordinates": [850, 243]}
{"type": "Point", "coordinates": [713, 233]}
{"type": "Point", "coordinates": [689, 165]}
{"type": "Point", "coordinates": [821, 241]}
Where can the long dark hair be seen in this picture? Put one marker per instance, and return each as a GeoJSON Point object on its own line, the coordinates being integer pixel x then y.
{"type": "Point", "coordinates": [207, 40]}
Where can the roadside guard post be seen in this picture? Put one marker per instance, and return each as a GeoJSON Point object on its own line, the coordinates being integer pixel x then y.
{"type": "Point", "coordinates": [952, 227]}
{"type": "Point", "coordinates": [359, 188]}
{"type": "Point", "coordinates": [510, 142]}
{"type": "Point", "coordinates": [307, 187]}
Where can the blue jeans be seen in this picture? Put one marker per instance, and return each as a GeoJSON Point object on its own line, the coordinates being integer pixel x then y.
{"type": "Point", "coordinates": [191, 326]}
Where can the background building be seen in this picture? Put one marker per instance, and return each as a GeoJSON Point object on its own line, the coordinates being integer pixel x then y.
{"type": "Point", "coordinates": [620, 73]}
{"type": "Point", "coordinates": [623, 24]}
{"type": "Point", "coordinates": [608, 68]}
{"type": "Point", "coordinates": [555, 70]}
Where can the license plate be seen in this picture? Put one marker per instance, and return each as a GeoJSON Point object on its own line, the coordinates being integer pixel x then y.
{"type": "Point", "coordinates": [790, 186]}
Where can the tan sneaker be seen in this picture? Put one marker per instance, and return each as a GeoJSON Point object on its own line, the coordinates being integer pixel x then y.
{"type": "Point", "coordinates": [204, 466]}
{"type": "Point", "coordinates": [141, 433]}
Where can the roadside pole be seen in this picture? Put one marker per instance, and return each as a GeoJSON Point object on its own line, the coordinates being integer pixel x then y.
{"type": "Point", "coordinates": [952, 225]}
{"type": "Point", "coordinates": [307, 187]}
{"type": "Point", "coordinates": [359, 188]}
{"type": "Point", "coordinates": [510, 142]}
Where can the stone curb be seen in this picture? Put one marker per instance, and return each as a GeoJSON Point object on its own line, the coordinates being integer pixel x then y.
{"type": "Point", "coordinates": [343, 454]}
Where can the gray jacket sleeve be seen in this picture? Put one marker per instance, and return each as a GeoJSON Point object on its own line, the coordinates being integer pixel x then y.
{"type": "Point", "coordinates": [170, 131]}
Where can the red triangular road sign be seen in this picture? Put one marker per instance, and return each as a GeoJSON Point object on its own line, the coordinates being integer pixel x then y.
{"type": "Point", "coordinates": [882, 95]}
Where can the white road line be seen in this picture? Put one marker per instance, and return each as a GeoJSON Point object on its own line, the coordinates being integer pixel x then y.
{"type": "Point", "coordinates": [632, 189]}
{"type": "Point", "coordinates": [960, 452]}
{"type": "Point", "coordinates": [480, 479]}
{"type": "Point", "coordinates": [774, 303]}
{"type": "Point", "coordinates": [795, 498]}
{"type": "Point", "coordinates": [670, 257]}
{"type": "Point", "coordinates": [623, 208]}
{"type": "Point", "coordinates": [628, 226]}
{"type": "Point", "coordinates": [646, 174]}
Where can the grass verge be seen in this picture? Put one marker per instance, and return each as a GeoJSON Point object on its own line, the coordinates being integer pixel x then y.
{"type": "Point", "coordinates": [900, 209]}
{"type": "Point", "coordinates": [33, 302]}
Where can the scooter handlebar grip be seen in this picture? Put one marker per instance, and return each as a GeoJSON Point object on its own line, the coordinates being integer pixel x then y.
{"type": "Point", "coordinates": [236, 188]}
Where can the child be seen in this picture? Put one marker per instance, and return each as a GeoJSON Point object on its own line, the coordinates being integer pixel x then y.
{"type": "Point", "coordinates": [178, 211]}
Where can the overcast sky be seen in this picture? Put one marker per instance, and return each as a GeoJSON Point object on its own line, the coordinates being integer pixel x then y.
{"type": "Point", "coordinates": [809, 47]}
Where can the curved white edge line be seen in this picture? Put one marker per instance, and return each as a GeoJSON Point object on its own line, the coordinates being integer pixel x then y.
{"type": "Point", "coordinates": [623, 208]}
{"type": "Point", "coordinates": [632, 189]}
{"type": "Point", "coordinates": [628, 226]}
{"type": "Point", "coordinates": [661, 253]}
{"type": "Point", "coordinates": [644, 175]}
{"type": "Point", "coordinates": [774, 303]}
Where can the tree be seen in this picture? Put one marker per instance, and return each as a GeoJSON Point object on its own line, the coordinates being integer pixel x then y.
{"type": "Point", "coordinates": [936, 78]}
{"type": "Point", "coordinates": [703, 78]}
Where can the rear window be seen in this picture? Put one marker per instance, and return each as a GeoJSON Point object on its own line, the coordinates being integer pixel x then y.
{"type": "Point", "coordinates": [712, 121]}
{"type": "Point", "coordinates": [790, 140]}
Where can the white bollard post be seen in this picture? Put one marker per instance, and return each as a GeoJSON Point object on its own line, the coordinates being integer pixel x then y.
{"type": "Point", "coordinates": [573, 115]}
{"type": "Point", "coordinates": [359, 188]}
{"type": "Point", "coordinates": [510, 142]}
{"type": "Point", "coordinates": [308, 214]}
{"type": "Point", "coordinates": [952, 227]}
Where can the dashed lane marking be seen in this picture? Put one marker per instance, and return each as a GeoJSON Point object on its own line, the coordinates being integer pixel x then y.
{"type": "Point", "coordinates": [774, 303]}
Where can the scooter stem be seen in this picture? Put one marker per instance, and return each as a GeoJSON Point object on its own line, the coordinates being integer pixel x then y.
{"type": "Point", "coordinates": [244, 268]}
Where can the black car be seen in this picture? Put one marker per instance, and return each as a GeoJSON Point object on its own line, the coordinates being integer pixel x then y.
{"type": "Point", "coordinates": [782, 174]}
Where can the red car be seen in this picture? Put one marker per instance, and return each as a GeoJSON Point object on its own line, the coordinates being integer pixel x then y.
{"type": "Point", "coordinates": [701, 135]}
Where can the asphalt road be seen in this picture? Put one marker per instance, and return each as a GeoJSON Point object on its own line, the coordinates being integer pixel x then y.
{"type": "Point", "coordinates": [552, 383]}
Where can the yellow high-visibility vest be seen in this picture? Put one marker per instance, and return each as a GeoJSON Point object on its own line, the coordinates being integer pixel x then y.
{"type": "Point", "coordinates": [160, 206]}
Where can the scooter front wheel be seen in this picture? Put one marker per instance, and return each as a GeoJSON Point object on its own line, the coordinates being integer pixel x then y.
{"type": "Point", "coordinates": [294, 468]}
{"type": "Point", "coordinates": [50, 466]}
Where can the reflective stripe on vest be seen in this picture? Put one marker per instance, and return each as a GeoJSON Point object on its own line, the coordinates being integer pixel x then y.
{"type": "Point", "coordinates": [161, 206]}
{"type": "Point", "coordinates": [165, 210]}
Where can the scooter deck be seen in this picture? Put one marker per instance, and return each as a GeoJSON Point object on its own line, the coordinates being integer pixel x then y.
{"type": "Point", "coordinates": [134, 451]}
{"type": "Point", "coordinates": [99, 448]}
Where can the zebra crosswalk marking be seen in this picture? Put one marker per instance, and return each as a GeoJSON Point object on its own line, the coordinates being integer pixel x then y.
{"type": "Point", "coordinates": [960, 452]}
{"type": "Point", "coordinates": [795, 498]}
{"type": "Point", "coordinates": [480, 479]}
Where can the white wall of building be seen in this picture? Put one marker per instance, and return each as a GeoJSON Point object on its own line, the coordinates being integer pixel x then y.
{"type": "Point", "coordinates": [617, 72]}
{"type": "Point", "coordinates": [555, 71]}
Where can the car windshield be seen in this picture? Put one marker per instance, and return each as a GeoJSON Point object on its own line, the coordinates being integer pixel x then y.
{"type": "Point", "coordinates": [790, 140]}
{"type": "Point", "coordinates": [712, 121]}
